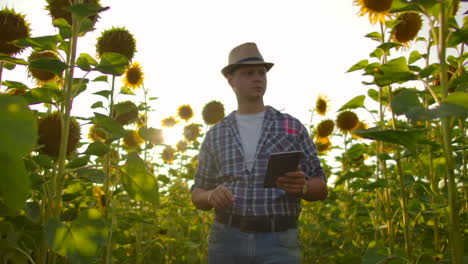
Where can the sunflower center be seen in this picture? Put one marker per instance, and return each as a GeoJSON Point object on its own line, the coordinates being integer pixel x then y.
{"type": "Point", "coordinates": [378, 5]}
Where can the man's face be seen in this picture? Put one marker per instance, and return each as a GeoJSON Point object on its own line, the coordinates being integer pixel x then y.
{"type": "Point", "coordinates": [249, 82]}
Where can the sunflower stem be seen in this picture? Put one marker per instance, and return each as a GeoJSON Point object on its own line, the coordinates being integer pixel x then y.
{"type": "Point", "coordinates": [107, 184]}
{"type": "Point", "coordinates": [1, 71]}
{"type": "Point", "coordinates": [403, 193]}
{"type": "Point", "coordinates": [455, 238]}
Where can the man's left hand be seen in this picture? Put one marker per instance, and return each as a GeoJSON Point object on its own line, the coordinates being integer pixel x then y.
{"type": "Point", "coordinates": [292, 182]}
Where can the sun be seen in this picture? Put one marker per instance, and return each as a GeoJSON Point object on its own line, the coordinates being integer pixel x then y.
{"type": "Point", "coordinates": [172, 135]}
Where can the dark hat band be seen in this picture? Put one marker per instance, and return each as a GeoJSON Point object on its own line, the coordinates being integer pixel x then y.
{"type": "Point", "coordinates": [250, 59]}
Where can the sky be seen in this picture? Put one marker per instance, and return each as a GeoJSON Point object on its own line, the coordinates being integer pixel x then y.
{"type": "Point", "coordinates": [182, 46]}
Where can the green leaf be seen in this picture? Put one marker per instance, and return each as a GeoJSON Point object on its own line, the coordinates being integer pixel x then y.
{"type": "Point", "coordinates": [13, 60]}
{"type": "Point", "coordinates": [44, 161]}
{"type": "Point", "coordinates": [86, 25]}
{"type": "Point", "coordinates": [79, 86]}
{"type": "Point", "coordinates": [102, 78]}
{"type": "Point", "coordinates": [430, 70]}
{"type": "Point", "coordinates": [9, 66]}
{"type": "Point", "coordinates": [42, 95]}
{"type": "Point", "coordinates": [40, 43]}
{"type": "Point", "coordinates": [15, 183]}
{"type": "Point", "coordinates": [109, 125]}
{"type": "Point", "coordinates": [64, 28]}
{"type": "Point", "coordinates": [405, 101]}
{"type": "Point", "coordinates": [112, 63]}
{"type": "Point", "coordinates": [79, 240]}
{"type": "Point", "coordinates": [104, 93]}
{"type": "Point", "coordinates": [356, 102]}
{"type": "Point", "coordinates": [377, 53]}
{"type": "Point", "coordinates": [47, 64]}
{"type": "Point", "coordinates": [153, 98]}
{"type": "Point", "coordinates": [97, 104]}
{"type": "Point", "coordinates": [374, 94]}
{"type": "Point", "coordinates": [17, 85]}
{"type": "Point", "coordinates": [407, 138]}
{"type": "Point", "coordinates": [92, 175]}
{"type": "Point", "coordinates": [78, 162]}
{"type": "Point", "coordinates": [414, 57]}
{"type": "Point", "coordinates": [459, 98]}
{"type": "Point", "coordinates": [85, 10]}
{"type": "Point", "coordinates": [137, 181]}
{"type": "Point", "coordinates": [444, 110]}
{"type": "Point", "coordinates": [97, 148]}
{"type": "Point", "coordinates": [388, 46]}
{"type": "Point", "coordinates": [126, 90]}
{"type": "Point", "coordinates": [374, 36]}
{"type": "Point", "coordinates": [458, 37]}
{"type": "Point", "coordinates": [18, 130]}
{"type": "Point", "coordinates": [85, 61]}
{"type": "Point", "coordinates": [394, 71]}
{"type": "Point", "coordinates": [358, 66]}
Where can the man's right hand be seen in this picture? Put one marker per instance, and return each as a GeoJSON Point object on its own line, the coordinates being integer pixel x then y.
{"type": "Point", "coordinates": [220, 197]}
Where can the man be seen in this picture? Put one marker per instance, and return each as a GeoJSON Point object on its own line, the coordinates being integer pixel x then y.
{"type": "Point", "coordinates": [254, 224]}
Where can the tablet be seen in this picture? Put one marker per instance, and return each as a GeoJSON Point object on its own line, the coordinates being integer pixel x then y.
{"type": "Point", "coordinates": [280, 163]}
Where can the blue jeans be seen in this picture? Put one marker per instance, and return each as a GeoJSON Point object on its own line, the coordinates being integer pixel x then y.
{"type": "Point", "coordinates": [228, 245]}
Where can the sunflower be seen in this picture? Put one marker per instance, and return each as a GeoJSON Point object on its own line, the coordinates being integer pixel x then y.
{"type": "Point", "coordinates": [185, 112]}
{"type": "Point", "coordinates": [323, 146]}
{"type": "Point", "coordinates": [39, 75]}
{"type": "Point", "coordinates": [168, 154]}
{"type": "Point", "coordinates": [182, 145]}
{"type": "Point", "coordinates": [213, 112]}
{"type": "Point", "coordinates": [142, 120]}
{"type": "Point", "coordinates": [153, 135]}
{"type": "Point", "coordinates": [125, 112]}
{"type": "Point", "coordinates": [57, 9]}
{"type": "Point", "coordinates": [321, 105]}
{"type": "Point", "coordinates": [408, 27]}
{"type": "Point", "coordinates": [100, 198]}
{"type": "Point", "coordinates": [133, 76]}
{"type": "Point", "coordinates": [192, 132]}
{"type": "Point", "coordinates": [13, 26]}
{"type": "Point", "coordinates": [360, 125]}
{"type": "Point", "coordinates": [97, 134]}
{"type": "Point", "coordinates": [169, 122]}
{"type": "Point", "coordinates": [132, 140]}
{"type": "Point", "coordinates": [377, 9]}
{"type": "Point", "coordinates": [118, 40]}
{"type": "Point", "coordinates": [324, 129]}
{"type": "Point", "coordinates": [347, 121]}
{"type": "Point", "coordinates": [50, 128]}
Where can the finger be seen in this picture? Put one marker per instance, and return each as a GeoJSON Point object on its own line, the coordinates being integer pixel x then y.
{"type": "Point", "coordinates": [227, 193]}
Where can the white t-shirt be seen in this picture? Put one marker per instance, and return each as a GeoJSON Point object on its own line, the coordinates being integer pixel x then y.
{"type": "Point", "coordinates": [250, 129]}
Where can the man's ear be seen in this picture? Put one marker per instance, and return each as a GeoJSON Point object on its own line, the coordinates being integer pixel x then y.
{"type": "Point", "coordinates": [229, 78]}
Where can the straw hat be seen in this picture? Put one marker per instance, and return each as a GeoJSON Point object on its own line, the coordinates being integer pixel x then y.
{"type": "Point", "coordinates": [245, 54]}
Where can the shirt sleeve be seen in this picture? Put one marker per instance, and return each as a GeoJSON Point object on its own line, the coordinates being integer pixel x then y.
{"type": "Point", "coordinates": [311, 162]}
{"type": "Point", "coordinates": [207, 169]}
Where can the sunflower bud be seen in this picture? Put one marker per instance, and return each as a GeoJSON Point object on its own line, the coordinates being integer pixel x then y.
{"type": "Point", "coordinates": [213, 112]}
{"type": "Point", "coordinates": [50, 128]}
{"type": "Point", "coordinates": [347, 121]}
{"type": "Point", "coordinates": [39, 75]}
{"type": "Point", "coordinates": [185, 112]}
{"type": "Point", "coordinates": [125, 112]}
{"type": "Point", "coordinates": [117, 40]}
{"type": "Point", "coordinates": [12, 27]}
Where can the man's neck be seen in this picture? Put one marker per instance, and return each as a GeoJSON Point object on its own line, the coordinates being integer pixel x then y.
{"type": "Point", "coordinates": [245, 109]}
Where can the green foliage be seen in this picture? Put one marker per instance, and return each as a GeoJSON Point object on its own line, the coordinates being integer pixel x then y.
{"type": "Point", "coordinates": [80, 239]}
{"type": "Point", "coordinates": [137, 181]}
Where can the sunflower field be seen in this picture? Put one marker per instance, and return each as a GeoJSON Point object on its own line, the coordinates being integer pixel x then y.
{"type": "Point", "coordinates": [107, 189]}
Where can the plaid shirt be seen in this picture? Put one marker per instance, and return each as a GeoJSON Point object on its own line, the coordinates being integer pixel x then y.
{"type": "Point", "coordinates": [221, 161]}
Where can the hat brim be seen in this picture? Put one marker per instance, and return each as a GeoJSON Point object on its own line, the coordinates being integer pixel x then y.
{"type": "Point", "coordinates": [231, 67]}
